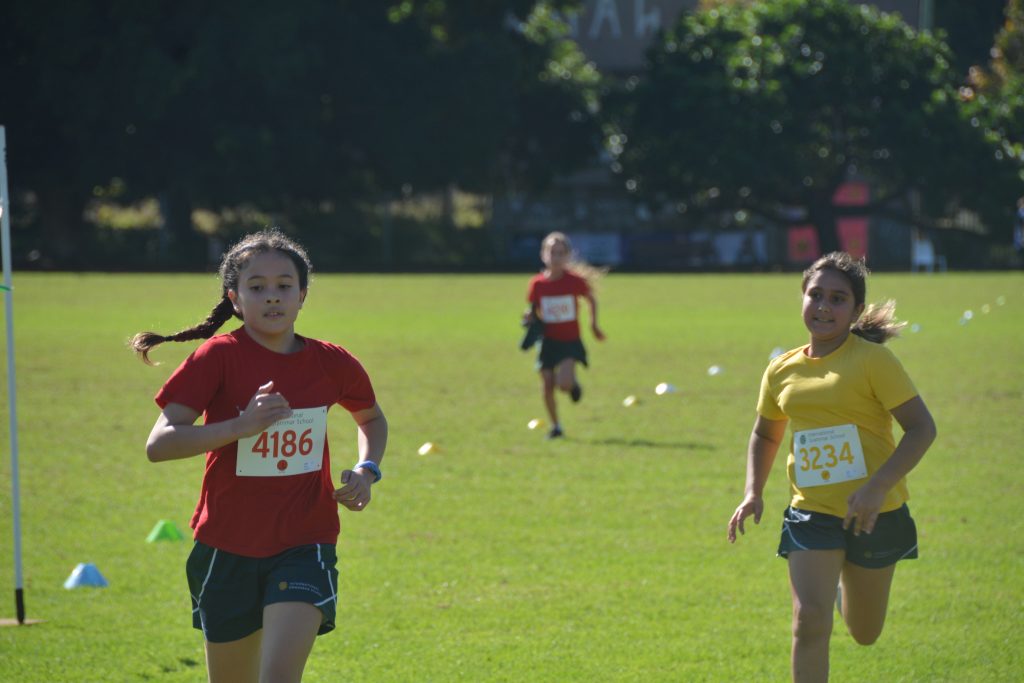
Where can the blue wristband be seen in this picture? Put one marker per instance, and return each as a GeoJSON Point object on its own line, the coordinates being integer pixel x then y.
{"type": "Point", "coordinates": [372, 466]}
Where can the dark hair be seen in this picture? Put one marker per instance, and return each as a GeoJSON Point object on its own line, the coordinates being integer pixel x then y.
{"type": "Point", "coordinates": [236, 259]}
{"type": "Point", "coordinates": [878, 321]}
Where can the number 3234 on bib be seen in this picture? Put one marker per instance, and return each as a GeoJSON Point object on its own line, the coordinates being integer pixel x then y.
{"type": "Point", "coordinates": [828, 456]}
{"type": "Point", "coordinates": [288, 447]}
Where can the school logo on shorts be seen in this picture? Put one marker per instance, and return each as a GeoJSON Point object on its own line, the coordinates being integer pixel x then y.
{"type": "Point", "coordinates": [300, 586]}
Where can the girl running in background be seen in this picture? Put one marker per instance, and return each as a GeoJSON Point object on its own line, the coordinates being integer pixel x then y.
{"type": "Point", "coordinates": [847, 522]}
{"type": "Point", "coordinates": [553, 295]}
{"type": "Point", "coordinates": [262, 572]}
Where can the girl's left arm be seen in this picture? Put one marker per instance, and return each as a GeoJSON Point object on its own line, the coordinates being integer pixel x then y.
{"type": "Point", "coordinates": [598, 334]}
{"type": "Point", "coordinates": [918, 434]}
{"type": "Point", "coordinates": [372, 426]}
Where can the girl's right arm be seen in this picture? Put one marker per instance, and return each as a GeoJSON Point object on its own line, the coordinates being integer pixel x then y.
{"type": "Point", "coordinates": [175, 436]}
{"type": "Point", "coordinates": [765, 439]}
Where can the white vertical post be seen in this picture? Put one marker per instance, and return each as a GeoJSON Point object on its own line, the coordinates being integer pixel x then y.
{"type": "Point", "coordinates": [5, 242]}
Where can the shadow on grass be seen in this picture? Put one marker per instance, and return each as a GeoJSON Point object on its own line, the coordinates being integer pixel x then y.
{"type": "Point", "coordinates": [647, 443]}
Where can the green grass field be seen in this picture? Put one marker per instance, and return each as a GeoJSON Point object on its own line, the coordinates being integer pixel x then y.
{"type": "Point", "coordinates": [505, 557]}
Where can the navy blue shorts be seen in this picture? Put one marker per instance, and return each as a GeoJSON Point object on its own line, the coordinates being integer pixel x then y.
{"type": "Point", "coordinates": [894, 537]}
{"type": "Point", "coordinates": [553, 352]}
{"type": "Point", "coordinates": [230, 591]}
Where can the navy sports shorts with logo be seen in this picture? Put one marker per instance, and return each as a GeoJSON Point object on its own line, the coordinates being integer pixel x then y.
{"type": "Point", "coordinates": [894, 537]}
{"type": "Point", "coordinates": [230, 591]}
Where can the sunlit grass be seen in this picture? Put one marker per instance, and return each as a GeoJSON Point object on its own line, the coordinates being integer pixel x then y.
{"type": "Point", "coordinates": [502, 556]}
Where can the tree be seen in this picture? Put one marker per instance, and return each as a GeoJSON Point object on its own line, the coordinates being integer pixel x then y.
{"type": "Point", "coordinates": [59, 140]}
{"type": "Point", "coordinates": [994, 99]}
{"type": "Point", "coordinates": [968, 29]}
{"type": "Point", "coordinates": [288, 107]}
{"type": "Point", "coordinates": [770, 107]}
{"type": "Point", "coordinates": [996, 93]}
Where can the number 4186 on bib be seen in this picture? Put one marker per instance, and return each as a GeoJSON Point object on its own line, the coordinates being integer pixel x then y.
{"type": "Point", "coordinates": [294, 445]}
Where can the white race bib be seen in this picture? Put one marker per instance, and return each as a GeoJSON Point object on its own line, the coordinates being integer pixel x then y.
{"type": "Point", "coordinates": [294, 445]}
{"type": "Point", "coordinates": [558, 309]}
{"type": "Point", "coordinates": [828, 456]}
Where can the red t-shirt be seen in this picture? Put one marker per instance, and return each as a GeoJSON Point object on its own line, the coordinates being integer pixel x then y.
{"type": "Point", "coordinates": [263, 516]}
{"type": "Point", "coordinates": [556, 303]}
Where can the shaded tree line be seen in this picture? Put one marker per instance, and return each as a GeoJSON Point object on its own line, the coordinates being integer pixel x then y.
{"type": "Point", "coordinates": [317, 113]}
{"type": "Point", "coordinates": [290, 107]}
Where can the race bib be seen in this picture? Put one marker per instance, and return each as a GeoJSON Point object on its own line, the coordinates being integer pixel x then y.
{"type": "Point", "coordinates": [288, 447]}
{"type": "Point", "coordinates": [558, 309]}
{"type": "Point", "coordinates": [828, 456]}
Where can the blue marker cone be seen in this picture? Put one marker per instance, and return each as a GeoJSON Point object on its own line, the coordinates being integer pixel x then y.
{"type": "Point", "coordinates": [85, 574]}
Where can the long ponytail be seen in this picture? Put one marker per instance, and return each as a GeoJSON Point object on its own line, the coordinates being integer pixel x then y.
{"type": "Point", "coordinates": [878, 323]}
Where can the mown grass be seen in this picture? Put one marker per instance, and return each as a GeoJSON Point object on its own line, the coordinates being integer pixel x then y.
{"type": "Point", "coordinates": [505, 557]}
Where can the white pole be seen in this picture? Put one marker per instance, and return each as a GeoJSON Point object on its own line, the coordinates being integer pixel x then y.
{"type": "Point", "coordinates": [5, 242]}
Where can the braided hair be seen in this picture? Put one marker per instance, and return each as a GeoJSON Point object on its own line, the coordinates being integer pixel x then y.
{"type": "Point", "coordinates": [878, 321]}
{"type": "Point", "coordinates": [234, 261]}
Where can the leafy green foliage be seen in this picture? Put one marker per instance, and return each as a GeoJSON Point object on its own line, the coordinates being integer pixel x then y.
{"type": "Point", "coordinates": [286, 106]}
{"type": "Point", "coordinates": [771, 106]}
{"type": "Point", "coordinates": [969, 29]}
{"type": "Point", "coordinates": [995, 95]}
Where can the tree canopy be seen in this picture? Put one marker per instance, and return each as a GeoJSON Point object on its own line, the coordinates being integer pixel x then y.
{"type": "Point", "coordinates": [314, 112]}
{"type": "Point", "coordinates": [285, 106]}
{"type": "Point", "coordinates": [770, 107]}
{"type": "Point", "coordinates": [994, 93]}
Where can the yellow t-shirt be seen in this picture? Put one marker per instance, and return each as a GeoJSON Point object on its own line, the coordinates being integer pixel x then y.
{"type": "Point", "coordinates": [858, 383]}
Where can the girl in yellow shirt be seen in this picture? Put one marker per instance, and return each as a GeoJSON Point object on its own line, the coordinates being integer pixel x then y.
{"type": "Point", "coordinates": [847, 523]}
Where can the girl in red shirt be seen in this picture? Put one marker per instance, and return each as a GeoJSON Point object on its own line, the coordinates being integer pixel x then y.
{"type": "Point", "coordinates": [262, 572]}
{"type": "Point", "coordinates": [553, 296]}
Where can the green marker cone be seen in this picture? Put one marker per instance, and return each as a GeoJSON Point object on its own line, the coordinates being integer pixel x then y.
{"type": "Point", "coordinates": [164, 531]}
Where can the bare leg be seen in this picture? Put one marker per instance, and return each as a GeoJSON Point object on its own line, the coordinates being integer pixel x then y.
{"type": "Point", "coordinates": [565, 374]}
{"type": "Point", "coordinates": [289, 629]}
{"type": "Point", "coordinates": [865, 600]}
{"type": "Point", "coordinates": [548, 389]}
{"type": "Point", "coordinates": [813, 576]}
{"type": "Point", "coordinates": [234, 662]}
